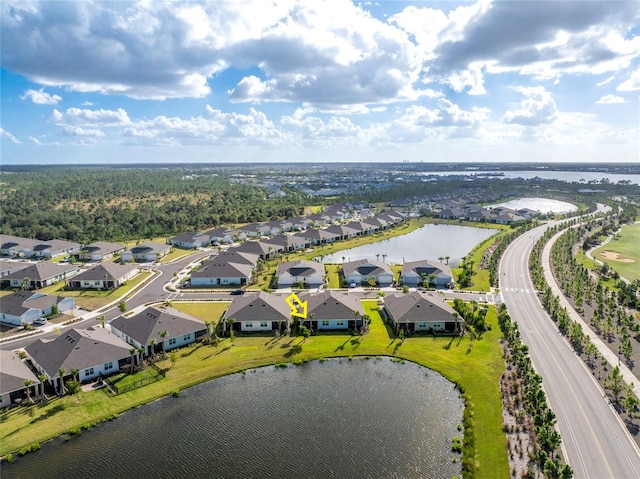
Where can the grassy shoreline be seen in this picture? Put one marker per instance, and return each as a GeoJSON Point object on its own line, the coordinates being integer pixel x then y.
{"type": "Point", "coordinates": [474, 366]}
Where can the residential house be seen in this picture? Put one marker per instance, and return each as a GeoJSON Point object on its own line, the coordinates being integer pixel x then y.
{"type": "Point", "coordinates": [289, 242]}
{"type": "Point", "coordinates": [420, 312]}
{"type": "Point", "coordinates": [527, 213]}
{"type": "Point", "coordinates": [26, 306]}
{"type": "Point", "coordinates": [229, 269]}
{"type": "Point", "coordinates": [55, 248]}
{"type": "Point", "coordinates": [343, 232]}
{"type": "Point", "coordinates": [331, 310]}
{"type": "Point", "coordinates": [41, 274]}
{"type": "Point", "coordinates": [319, 220]}
{"type": "Point", "coordinates": [93, 352]}
{"type": "Point", "coordinates": [255, 230]}
{"type": "Point", "coordinates": [104, 276]}
{"type": "Point", "coordinates": [8, 267]}
{"type": "Point", "coordinates": [507, 218]}
{"type": "Point", "coordinates": [415, 273]}
{"type": "Point", "coordinates": [451, 213]}
{"type": "Point", "coordinates": [13, 374]}
{"type": "Point", "coordinates": [100, 251]}
{"type": "Point", "coordinates": [225, 235]}
{"type": "Point", "coordinates": [318, 237]}
{"type": "Point", "coordinates": [160, 327]}
{"type": "Point", "coordinates": [300, 224]}
{"type": "Point", "coordinates": [17, 246]}
{"type": "Point", "coordinates": [257, 312]}
{"type": "Point", "coordinates": [146, 252]}
{"type": "Point", "coordinates": [363, 270]}
{"type": "Point", "coordinates": [307, 273]}
{"type": "Point", "coordinates": [263, 249]}
{"type": "Point", "coordinates": [190, 240]}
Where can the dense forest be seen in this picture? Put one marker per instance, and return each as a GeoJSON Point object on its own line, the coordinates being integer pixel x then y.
{"type": "Point", "coordinates": [89, 204]}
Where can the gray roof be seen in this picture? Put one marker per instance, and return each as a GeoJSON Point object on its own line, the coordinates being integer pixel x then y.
{"type": "Point", "coordinates": [150, 248]}
{"type": "Point", "coordinates": [259, 248]}
{"type": "Point", "coordinates": [103, 247]}
{"type": "Point", "coordinates": [42, 271]}
{"type": "Point", "coordinates": [317, 234]}
{"type": "Point", "coordinates": [18, 303]}
{"type": "Point", "coordinates": [56, 245]}
{"type": "Point", "coordinates": [290, 240]}
{"type": "Point", "coordinates": [258, 306]}
{"type": "Point", "coordinates": [223, 268]}
{"type": "Point", "coordinates": [13, 372]}
{"type": "Point", "coordinates": [233, 255]}
{"type": "Point", "coordinates": [102, 271]}
{"type": "Point", "coordinates": [427, 267]}
{"type": "Point", "coordinates": [366, 267]}
{"type": "Point", "coordinates": [190, 237]}
{"type": "Point", "coordinates": [301, 267]}
{"type": "Point", "coordinates": [152, 321]}
{"type": "Point", "coordinates": [418, 307]}
{"type": "Point", "coordinates": [332, 305]}
{"type": "Point", "coordinates": [77, 349]}
{"type": "Point", "coordinates": [9, 241]}
{"type": "Point", "coordinates": [342, 230]}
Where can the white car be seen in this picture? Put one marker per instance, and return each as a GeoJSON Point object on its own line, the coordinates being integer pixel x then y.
{"type": "Point", "coordinates": [40, 322]}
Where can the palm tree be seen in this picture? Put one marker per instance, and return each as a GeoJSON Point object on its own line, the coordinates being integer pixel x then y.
{"type": "Point", "coordinates": [27, 383]}
{"type": "Point", "coordinates": [384, 257]}
{"type": "Point", "coordinates": [441, 258]}
{"type": "Point", "coordinates": [230, 321]}
{"type": "Point", "coordinates": [25, 283]}
{"type": "Point", "coordinates": [42, 378]}
{"type": "Point", "coordinates": [74, 374]}
{"type": "Point", "coordinates": [377, 256]}
{"type": "Point", "coordinates": [447, 258]}
{"type": "Point", "coordinates": [141, 356]}
{"type": "Point", "coordinates": [101, 318]}
{"type": "Point", "coordinates": [62, 389]}
{"type": "Point", "coordinates": [152, 347]}
{"type": "Point", "coordinates": [132, 352]}
{"type": "Point", "coordinates": [163, 334]}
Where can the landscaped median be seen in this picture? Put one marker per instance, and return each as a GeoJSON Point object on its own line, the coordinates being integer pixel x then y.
{"type": "Point", "coordinates": [475, 366]}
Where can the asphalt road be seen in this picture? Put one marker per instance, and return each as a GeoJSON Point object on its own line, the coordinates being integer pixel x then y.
{"type": "Point", "coordinates": [595, 442]}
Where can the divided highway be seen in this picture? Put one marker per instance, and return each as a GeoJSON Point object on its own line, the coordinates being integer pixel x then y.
{"type": "Point", "coordinates": [595, 441]}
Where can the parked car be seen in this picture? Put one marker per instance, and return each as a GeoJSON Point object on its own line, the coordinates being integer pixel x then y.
{"type": "Point", "coordinates": [352, 284]}
{"type": "Point", "coordinates": [40, 321]}
{"type": "Point", "coordinates": [237, 292]}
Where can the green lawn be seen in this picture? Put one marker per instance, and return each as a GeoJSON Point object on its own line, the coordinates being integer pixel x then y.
{"type": "Point", "coordinates": [91, 300]}
{"type": "Point", "coordinates": [622, 252]}
{"type": "Point", "coordinates": [475, 367]}
{"type": "Point", "coordinates": [333, 275]}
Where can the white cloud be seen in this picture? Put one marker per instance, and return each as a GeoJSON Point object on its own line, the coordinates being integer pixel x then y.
{"type": "Point", "coordinates": [632, 83]}
{"type": "Point", "coordinates": [5, 134]}
{"type": "Point", "coordinates": [40, 97]}
{"type": "Point", "coordinates": [77, 116]}
{"type": "Point", "coordinates": [537, 108]}
{"type": "Point", "coordinates": [71, 130]}
{"type": "Point", "coordinates": [607, 99]}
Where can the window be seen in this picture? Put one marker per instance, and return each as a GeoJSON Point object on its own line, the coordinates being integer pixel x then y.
{"type": "Point", "coordinates": [249, 324]}
{"type": "Point", "coordinates": [186, 337]}
{"type": "Point", "coordinates": [263, 324]}
{"type": "Point", "coordinates": [172, 341]}
{"type": "Point", "coordinates": [340, 323]}
{"type": "Point", "coordinates": [86, 283]}
{"type": "Point", "coordinates": [88, 371]}
{"type": "Point", "coordinates": [325, 322]}
{"type": "Point", "coordinates": [422, 325]}
{"type": "Point", "coordinates": [108, 365]}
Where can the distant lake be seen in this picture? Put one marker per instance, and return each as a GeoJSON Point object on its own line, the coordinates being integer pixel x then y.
{"type": "Point", "coordinates": [429, 242]}
{"type": "Point", "coordinates": [543, 205]}
{"type": "Point", "coordinates": [338, 418]}
{"type": "Point", "coordinates": [566, 176]}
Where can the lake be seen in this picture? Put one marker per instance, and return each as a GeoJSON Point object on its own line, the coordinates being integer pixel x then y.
{"type": "Point", "coordinates": [431, 241]}
{"type": "Point", "coordinates": [337, 418]}
{"type": "Point", "coordinates": [566, 176]}
{"type": "Point", "coordinates": [543, 205]}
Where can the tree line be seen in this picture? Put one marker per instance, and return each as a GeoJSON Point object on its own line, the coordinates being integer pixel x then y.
{"type": "Point", "coordinates": [89, 204]}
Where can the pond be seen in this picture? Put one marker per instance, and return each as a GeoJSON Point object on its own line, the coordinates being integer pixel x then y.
{"type": "Point", "coordinates": [431, 242]}
{"type": "Point", "coordinates": [337, 418]}
{"type": "Point", "coordinates": [543, 205]}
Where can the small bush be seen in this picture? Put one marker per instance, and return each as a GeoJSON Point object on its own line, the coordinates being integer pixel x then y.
{"type": "Point", "coordinates": [456, 445]}
{"type": "Point", "coordinates": [8, 457]}
{"type": "Point", "coordinates": [175, 393]}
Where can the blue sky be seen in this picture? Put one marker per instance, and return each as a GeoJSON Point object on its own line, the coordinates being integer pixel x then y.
{"type": "Point", "coordinates": [227, 81]}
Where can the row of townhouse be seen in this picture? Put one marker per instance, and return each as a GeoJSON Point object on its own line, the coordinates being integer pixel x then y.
{"type": "Point", "coordinates": [319, 228]}
{"type": "Point", "coordinates": [235, 267]}
{"type": "Point", "coordinates": [471, 212]}
{"type": "Point", "coordinates": [95, 352]}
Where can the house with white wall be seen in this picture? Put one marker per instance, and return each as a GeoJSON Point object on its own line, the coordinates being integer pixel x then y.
{"type": "Point", "coordinates": [309, 273]}
{"type": "Point", "coordinates": [257, 312]}
{"type": "Point", "coordinates": [169, 328]}
{"type": "Point", "coordinates": [332, 310]}
{"type": "Point", "coordinates": [26, 306]}
{"type": "Point", "coordinates": [13, 374]}
{"type": "Point", "coordinates": [420, 312]}
{"type": "Point", "coordinates": [104, 276]}
{"type": "Point", "coordinates": [93, 352]}
{"type": "Point", "coordinates": [361, 271]}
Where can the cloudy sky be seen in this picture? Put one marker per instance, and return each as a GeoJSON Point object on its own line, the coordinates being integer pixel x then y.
{"type": "Point", "coordinates": [150, 81]}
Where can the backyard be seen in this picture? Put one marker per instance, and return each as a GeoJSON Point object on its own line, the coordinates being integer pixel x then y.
{"type": "Point", "coordinates": [474, 365]}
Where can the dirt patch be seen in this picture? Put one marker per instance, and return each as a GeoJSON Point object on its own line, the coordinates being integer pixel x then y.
{"type": "Point", "coordinates": [613, 256]}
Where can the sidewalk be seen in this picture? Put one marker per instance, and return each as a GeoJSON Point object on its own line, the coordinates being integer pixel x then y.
{"type": "Point", "coordinates": [603, 349]}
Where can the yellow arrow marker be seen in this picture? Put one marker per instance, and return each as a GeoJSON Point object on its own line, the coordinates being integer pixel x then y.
{"type": "Point", "coordinates": [294, 303]}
